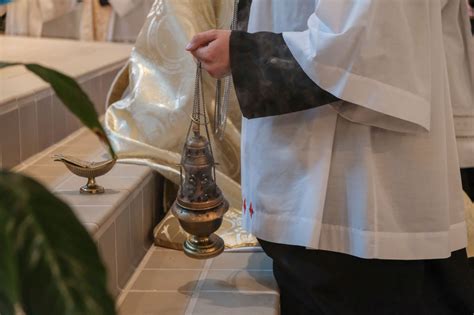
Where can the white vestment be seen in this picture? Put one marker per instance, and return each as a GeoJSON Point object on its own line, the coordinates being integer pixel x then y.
{"type": "Point", "coordinates": [377, 174]}
{"type": "Point", "coordinates": [26, 17]}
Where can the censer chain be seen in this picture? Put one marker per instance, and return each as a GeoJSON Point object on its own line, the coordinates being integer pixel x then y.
{"type": "Point", "coordinates": [222, 101]}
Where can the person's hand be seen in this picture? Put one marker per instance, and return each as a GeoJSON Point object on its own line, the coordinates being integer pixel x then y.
{"type": "Point", "coordinates": [211, 48]}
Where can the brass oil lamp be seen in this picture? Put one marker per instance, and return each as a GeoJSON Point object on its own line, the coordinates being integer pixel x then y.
{"type": "Point", "coordinates": [200, 204]}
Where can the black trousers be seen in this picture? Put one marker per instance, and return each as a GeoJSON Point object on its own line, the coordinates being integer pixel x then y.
{"type": "Point", "coordinates": [467, 178]}
{"type": "Point", "coordinates": [322, 282]}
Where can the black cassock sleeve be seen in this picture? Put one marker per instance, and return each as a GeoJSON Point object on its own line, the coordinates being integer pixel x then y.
{"type": "Point", "coordinates": [268, 80]}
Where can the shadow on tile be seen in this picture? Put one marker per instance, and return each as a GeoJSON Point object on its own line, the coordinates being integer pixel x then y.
{"type": "Point", "coordinates": [76, 192]}
{"type": "Point", "coordinates": [237, 303]}
{"type": "Point", "coordinates": [239, 280]}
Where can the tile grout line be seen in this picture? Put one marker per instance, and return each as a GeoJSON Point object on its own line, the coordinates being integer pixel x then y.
{"type": "Point", "coordinates": [192, 302]}
{"type": "Point", "coordinates": [133, 278]}
{"type": "Point", "coordinates": [206, 291]}
{"type": "Point", "coordinates": [213, 269]}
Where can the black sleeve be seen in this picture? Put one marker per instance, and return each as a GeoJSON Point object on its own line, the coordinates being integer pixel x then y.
{"type": "Point", "coordinates": [268, 80]}
{"type": "Point", "coordinates": [243, 13]}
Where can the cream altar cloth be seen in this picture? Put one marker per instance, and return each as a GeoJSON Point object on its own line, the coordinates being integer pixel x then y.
{"type": "Point", "coordinates": [148, 123]}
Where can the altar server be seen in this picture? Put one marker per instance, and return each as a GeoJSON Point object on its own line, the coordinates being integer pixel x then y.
{"type": "Point", "coordinates": [350, 174]}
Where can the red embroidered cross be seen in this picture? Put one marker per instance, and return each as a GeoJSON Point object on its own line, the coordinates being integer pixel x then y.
{"type": "Point", "coordinates": [251, 210]}
{"type": "Point", "coordinates": [245, 206]}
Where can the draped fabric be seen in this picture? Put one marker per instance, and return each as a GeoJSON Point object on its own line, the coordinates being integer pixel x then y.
{"type": "Point", "coordinates": [148, 124]}
{"type": "Point", "coordinates": [95, 21]}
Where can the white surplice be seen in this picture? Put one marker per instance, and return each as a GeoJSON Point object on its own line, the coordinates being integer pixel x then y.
{"type": "Point", "coordinates": [26, 17]}
{"type": "Point", "coordinates": [377, 174]}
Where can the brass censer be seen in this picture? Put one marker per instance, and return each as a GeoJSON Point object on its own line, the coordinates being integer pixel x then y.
{"type": "Point", "coordinates": [200, 204]}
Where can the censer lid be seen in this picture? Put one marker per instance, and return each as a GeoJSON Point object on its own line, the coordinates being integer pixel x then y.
{"type": "Point", "coordinates": [198, 189]}
{"type": "Point", "coordinates": [197, 141]}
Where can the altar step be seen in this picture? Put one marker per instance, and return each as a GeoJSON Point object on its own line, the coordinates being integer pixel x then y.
{"type": "Point", "coordinates": [169, 283]}
{"type": "Point", "coordinates": [32, 117]}
{"type": "Point", "coordinates": [122, 219]}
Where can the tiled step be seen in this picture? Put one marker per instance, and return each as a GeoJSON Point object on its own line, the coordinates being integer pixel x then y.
{"type": "Point", "coordinates": [32, 118]}
{"type": "Point", "coordinates": [168, 282]}
{"type": "Point", "coordinates": [122, 219]}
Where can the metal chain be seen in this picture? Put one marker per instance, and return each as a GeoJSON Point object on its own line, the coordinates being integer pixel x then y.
{"type": "Point", "coordinates": [222, 101]}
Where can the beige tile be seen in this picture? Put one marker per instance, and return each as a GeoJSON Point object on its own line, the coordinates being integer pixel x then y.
{"type": "Point", "coordinates": [129, 170]}
{"type": "Point", "coordinates": [124, 247]}
{"type": "Point", "coordinates": [136, 224]}
{"type": "Point", "coordinates": [148, 211]}
{"type": "Point", "coordinates": [93, 214]}
{"type": "Point", "coordinates": [239, 280]}
{"type": "Point", "coordinates": [255, 261]}
{"type": "Point", "coordinates": [108, 253]}
{"type": "Point", "coordinates": [28, 130]}
{"type": "Point", "coordinates": [111, 197]}
{"type": "Point", "coordinates": [45, 160]}
{"type": "Point", "coordinates": [106, 83]}
{"type": "Point", "coordinates": [232, 303]}
{"type": "Point", "coordinates": [158, 197]}
{"type": "Point", "coordinates": [92, 228]}
{"type": "Point", "coordinates": [84, 138]}
{"type": "Point", "coordinates": [93, 90]}
{"type": "Point", "coordinates": [84, 154]}
{"type": "Point", "coordinates": [53, 170]}
{"type": "Point", "coordinates": [173, 259]}
{"type": "Point", "coordinates": [90, 151]}
{"type": "Point", "coordinates": [10, 138]}
{"type": "Point", "coordinates": [59, 119]}
{"type": "Point", "coordinates": [154, 303]}
{"type": "Point", "coordinates": [179, 280]}
{"type": "Point", "coordinates": [51, 181]}
{"type": "Point", "coordinates": [72, 122]}
{"type": "Point", "coordinates": [109, 182]}
{"type": "Point", "coordinates": [45, 122]}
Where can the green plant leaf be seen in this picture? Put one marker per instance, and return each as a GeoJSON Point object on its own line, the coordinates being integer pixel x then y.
{"type": "Point", "coordinates": [72, 96]}
{"type": "Point", "coordinates": [55, 260]}
{"type": "Point", "coordinates": [8, 270]}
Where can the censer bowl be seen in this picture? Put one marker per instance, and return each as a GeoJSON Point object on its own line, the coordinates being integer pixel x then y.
{"type": "Point", "coordinates": [202, 243]}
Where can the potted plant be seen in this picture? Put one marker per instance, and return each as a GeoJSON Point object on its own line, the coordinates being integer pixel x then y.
{"type": "Point", "coordinates": [49, 264]}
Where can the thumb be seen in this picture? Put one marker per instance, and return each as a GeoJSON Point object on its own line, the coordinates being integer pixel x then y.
{"type": "Point", "coordinates": [201, 39]}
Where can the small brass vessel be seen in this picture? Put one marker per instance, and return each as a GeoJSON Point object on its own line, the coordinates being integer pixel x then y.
{"type": "Point", "coordinates": [89, 170]}
{"type": "Point", "coordinates": [200, 204]}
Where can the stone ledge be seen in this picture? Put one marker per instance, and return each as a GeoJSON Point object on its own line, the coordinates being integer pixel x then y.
{"type": "Point", "coordinates": [121, 220]}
